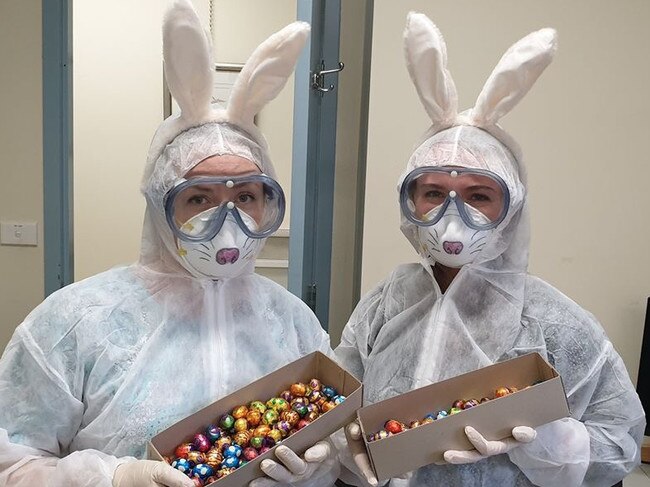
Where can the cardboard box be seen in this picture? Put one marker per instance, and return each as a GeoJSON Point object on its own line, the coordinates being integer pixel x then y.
{"type": "Point", "coordinates": [314, 365]}
{"type": "Point", "coordinates": [412, 449]}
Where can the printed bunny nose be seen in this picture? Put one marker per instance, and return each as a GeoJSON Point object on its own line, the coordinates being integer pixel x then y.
{"type": "Point", "coordinates": [452, 248]}
{"type": "Point", "coordinates": [227, 256]}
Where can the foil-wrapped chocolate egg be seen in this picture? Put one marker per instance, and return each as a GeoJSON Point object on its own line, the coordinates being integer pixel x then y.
{"type": "Point", "coordinates": [196, 457]}
{"type": "Point", "coordinates": [262, 430]}
{"type": "Point", "coordinates": [256, 442]}
{"type": "Point", "coordinates": [213, 432]}
{"type": "Point", "coordinates": [242, 438]}
{"type": "Point", "coordinates": [286, 395]}
{"type": "Point", "coordinates": [183, 449]}
{"type": "Point", "coordinates": [313, 408]}
{"type": "Point", "coordinates": [258, 406]}
{"type": "Point", "coordinates": [250, 453]}
{"type": "Point", "coordinates": [254, 418]}
{"type": "Point", "coordinates": [241, 424]}
{"type": "Point", "coordinates": [290, 417]}
{"type": "Point", "coordinates": [315, 385]}
{"type": "Point", "coordinates": [281, 405]}
{"type": "Point", "coordinates": [393, 426]}
{"type": "Point", "coordinates": [302, 423]}
{"type": "Point", "coordinates": [381, 434]}
{"type": "Point", "coordinates": [454, 411]}
{"type": "Point", "coordinates": [298, 390]}
{"type": "Point", "coordinates": [329, 392]}
{"type": "Point", "coordinates": [268, 441]}
{"type": "Point", "coordinates": [222, 472]}
{"type": "Point", "coordinates": [212, 479]}
{"type": "Point", "coordinates": [427, 419]}
{"type": "Point", "coordinates": [301, 409]}
{"type": "Point", "coordinates": [315, 396]}
{"type": "Point", "coordinates": [458, 403]}
{"type": "Point", "coordinates": [202, 471]}
{"type": "Point", "coordinates": [470, 403]}
{"type": "Point", "coordinates": [197, 482]}
{"type": "Point", "coordinates": [227, 422]}
{"type": "Point", "coordinates": [233, 450]}
{"type": "Point", "coordinates": [442, 414]}
{"type": "Point", "coordinates": [296, 401]}
{"type": "Point", "coordinates": [414, 424]}
{"type": "Point", "coordinates": [328, 406]}
{"type": "Point", "coordinates": [501, 392]}
{"type": "Point", "coordinates": [213, 458]}
{"type": "Point", "coordinates": [270, 417]}
{"type": "Point", "coordinates": [201, 442]}
{"type": "Point", "coordinates": [312, 416]}
{"type": "Point", "coordinates": [182, 465]}
{"type": "Point", "coordinates": [512, 389]}
{"type": "Point", "coordinates": [264, 449]}
{"type": "Point", "coordinates": [230, 462]}
{"type": "Point", "coordinates": [239, 412]}
{"type": "Point", "coordinates": [283, 427]}
{"type": "Point", "coordinates": [484, 399]}
{"type": "Point", "coordinates": [339, 399]}
{"type": "Point", "coordinates": [276, 435]}
{"type": "Point", "coordinates": [223, 442]}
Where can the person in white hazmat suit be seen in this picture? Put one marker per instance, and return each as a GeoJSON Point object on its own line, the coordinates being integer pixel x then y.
{"type": "Point", "coordinates": [471, 303]}
{"type": "Point", "coordinates": [103, 365]}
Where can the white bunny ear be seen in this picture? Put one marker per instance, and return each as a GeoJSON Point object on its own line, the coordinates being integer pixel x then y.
{"type": "Point", "coordinates": [266, 72]}
{"type": "Point", "coordinates": [188, 65]}
{"type": "Point", "coordinates": [514, 75]}
{"type": "Point", "coordinates": [426, 60]}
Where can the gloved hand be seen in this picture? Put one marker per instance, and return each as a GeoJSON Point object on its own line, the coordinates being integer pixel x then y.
{"type": "Point", "coordinates": [294, 469]}
{"type": "Point", "coordinates": [358, 451]}
{"type": "Point", "coordinates": [149, 473]}
{"type": "Point", "coordinates": [485, 448]}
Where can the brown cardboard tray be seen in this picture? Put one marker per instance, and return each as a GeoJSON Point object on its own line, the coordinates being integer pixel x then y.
{"type": "Point", "coordinates": [314, 365]}
{"type": "Point", "coordinates": [412, 449]}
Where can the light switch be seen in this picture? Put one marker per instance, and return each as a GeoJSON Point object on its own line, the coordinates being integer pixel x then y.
{"type": "Point", "coordinates": [18, 233]}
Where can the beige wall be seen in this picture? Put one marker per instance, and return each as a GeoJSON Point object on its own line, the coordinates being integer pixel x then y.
{"type": "Point", "coordinates": [583, 129]}
{"type": "Point", "coordinates": [117, 106]}
{"type": "Point", "coordinates": [119, 103]}
{"type": "Point", "coordinates": [21, 159]}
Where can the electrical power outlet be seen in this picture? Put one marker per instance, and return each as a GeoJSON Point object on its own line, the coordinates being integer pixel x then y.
{"type": "Point", "coordinates": [18, 233]}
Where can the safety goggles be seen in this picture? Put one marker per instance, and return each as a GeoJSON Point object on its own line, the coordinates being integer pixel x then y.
{"type": "Point", "coordinates": [196, 208]}
{"type": "Point", "coordinates": [427, 192]}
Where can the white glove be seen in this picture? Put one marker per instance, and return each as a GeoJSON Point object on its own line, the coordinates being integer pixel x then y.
{"type": "Point", "coordinates": [294, 469]}
{"type": "Point", "coordinates": [149, 473]}
{"type": "Point", "coordinates": [359, 454]}
{"type": "Point", "coordinates": [485, 448]}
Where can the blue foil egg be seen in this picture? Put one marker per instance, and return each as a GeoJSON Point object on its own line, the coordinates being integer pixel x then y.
{"type": "Point", "coordinates": [233, 450]}
{"type": "Point", "coordinates": [230, 462]}
{"type": "Point", "coordinates": [338, 399]}
{"type": "Point", "coordinates": [329, 392]}
{"type": "Point", "coordinates": [182, 465]}
{"type": "Point", "coordinates": [442, 414]}
{"type": "Point", "coordinates": [202, 471]}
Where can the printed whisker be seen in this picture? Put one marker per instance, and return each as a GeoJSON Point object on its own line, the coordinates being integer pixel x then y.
{"type": "Point", "coordinates": [477, 250]}
{"type": "Point", "coordinates": [204, 253]}
{"type": "Point", "coordinates": [203, 258]}
{"type": "Point", "coordinates": [475, 234]}
{"type": "Point", "coordinates": [206, 247]}
{"type": "Point", "coordinates": [478, 241]}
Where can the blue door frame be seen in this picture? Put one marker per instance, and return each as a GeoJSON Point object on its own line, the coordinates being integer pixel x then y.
{"type": "Point", "coordinates": [57, 144]}
{"type": "Point", "coordinates": [314, 149]}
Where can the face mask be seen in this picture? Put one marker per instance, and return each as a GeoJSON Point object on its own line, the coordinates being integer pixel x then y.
{"type": "Point", "coordinates": [230, 253]}
{"type": "Point", "coordinates": [450, 241]}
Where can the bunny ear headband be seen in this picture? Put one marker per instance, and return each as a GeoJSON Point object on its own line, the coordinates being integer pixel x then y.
{"type": "Point", "coordinates": [513, 76]}
{"type": "Point", "coordinates": [189, 74]}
